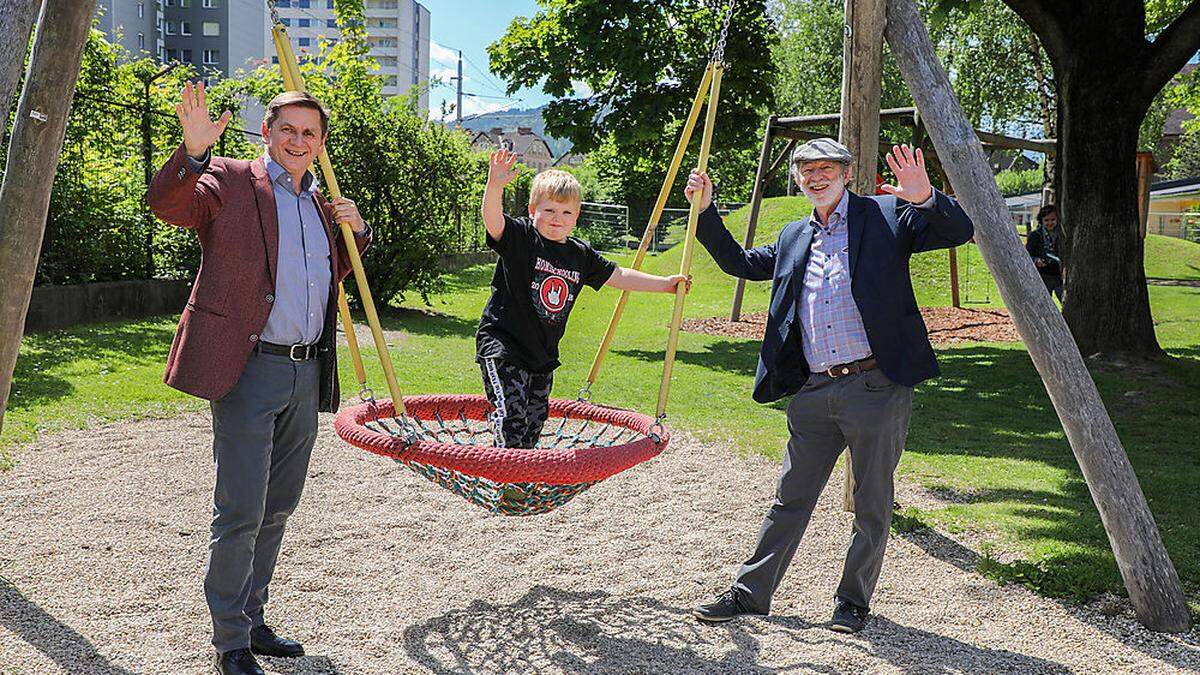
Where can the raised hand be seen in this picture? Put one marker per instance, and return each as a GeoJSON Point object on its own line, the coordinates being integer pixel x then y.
{"type": "Point", "coordinates": [909, 168]}
{"type": "Point", "coordinates": [501, 167]}
{"type": "Point", "coordinates": [199, 131]}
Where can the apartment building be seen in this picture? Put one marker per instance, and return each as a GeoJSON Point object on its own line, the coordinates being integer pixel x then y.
{"type": "Point", "coordinates": [397, 31]}
{"type": "Point", "coordinates": [134, 24]}
{"type": "Point", "coordinates": [223, 36]}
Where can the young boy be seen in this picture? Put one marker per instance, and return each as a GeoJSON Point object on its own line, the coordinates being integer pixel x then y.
{"type": "Point", "coordinates": [539, 275]}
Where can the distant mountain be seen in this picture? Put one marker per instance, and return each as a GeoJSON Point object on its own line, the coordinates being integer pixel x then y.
{"type": "Point", "coordinates": [509, 120]}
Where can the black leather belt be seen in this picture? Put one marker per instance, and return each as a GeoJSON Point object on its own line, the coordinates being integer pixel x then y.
{"type": "Point", "coordinates": [860, 366]}
{"type": "Point", "coordinates": [296, 352]}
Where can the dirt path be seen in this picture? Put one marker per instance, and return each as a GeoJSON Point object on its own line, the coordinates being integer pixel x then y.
{"type": "Point", "coordinates": [105, 532]}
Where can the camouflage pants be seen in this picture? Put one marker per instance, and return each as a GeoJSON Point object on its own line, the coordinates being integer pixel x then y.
{"type": "Point", "coordinates": [521, 400]}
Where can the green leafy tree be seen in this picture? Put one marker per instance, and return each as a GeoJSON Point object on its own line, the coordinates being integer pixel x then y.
{"type": "Point", "coordinates": [643, 62]}
{"type": "Point", "coordinates": [412, 180]}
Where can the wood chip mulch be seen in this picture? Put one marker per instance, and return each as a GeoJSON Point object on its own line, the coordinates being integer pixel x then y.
{"type": "Point", "coordinates": [947, 325]}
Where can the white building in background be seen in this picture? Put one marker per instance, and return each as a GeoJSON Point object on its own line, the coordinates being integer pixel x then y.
{"type": "Point", "coordinates": [397, 31]}
{"type": "Point", "coordinates": [227, 35]}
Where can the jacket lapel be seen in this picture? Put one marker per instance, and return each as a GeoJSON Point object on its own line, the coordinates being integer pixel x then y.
{"type": "Point", "coordinates": [856, 221]}
{"type": "Point", "coordinates": [800, 249]}
{"type": "Point", "coordinates": [268, 215]}
{"type": "Point", "coordinates": [330, 234]}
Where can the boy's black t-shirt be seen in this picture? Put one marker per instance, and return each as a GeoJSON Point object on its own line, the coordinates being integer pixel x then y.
{"type": "Point", "coordinates": [534, 288]}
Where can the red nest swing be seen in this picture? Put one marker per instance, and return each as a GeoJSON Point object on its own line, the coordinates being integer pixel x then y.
{"type": "Point", "coordinates": [449, 442]}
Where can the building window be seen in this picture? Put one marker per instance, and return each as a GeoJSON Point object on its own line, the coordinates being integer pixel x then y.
{"type": "Point", "coordinates": [187, 56]}
{"type": "Point", "coordinates": [329, 4]}
{"type": "Point", "coordinates": [302, 4]}
{"type": "Point", "coordinates": [170, 3]}
{"type": "Point", "coordinates": [331, 23]}
{"type": "Point", "coordinates": [170, 28]}
{"type": "Point", "coordinates": [285, 22]}
{"type": "Point", "coordinates": [275, 59]}
{"type": "Point", "coordinates": [305, 23]}
{"type": "Point", "coordinates": [212, 28]}
{"type": "Point", "coordinates": [305, 42]}
{"type": "Point", "coordinates": [211, 57]}
{"type": "Point", "coordinates": [283, 3]}
{"type": "Point", "coordinates": [141, 41]}
{"type": "Point", "coordinates": [141, 10]}
{"type": "Point", "coordinates": [185, 27]}
{"type": "Point", "coordinates": [172, 54]}
{"type": "Point", "coordinates": [185, 3]}
{"type": "Point", "coordinates": [212, 4]}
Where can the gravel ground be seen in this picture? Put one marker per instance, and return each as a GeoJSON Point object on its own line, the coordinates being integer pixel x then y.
{"type": "Point", "coordinates": [384, 573]}
{"type": "Point", "coordinates": [947, 325]}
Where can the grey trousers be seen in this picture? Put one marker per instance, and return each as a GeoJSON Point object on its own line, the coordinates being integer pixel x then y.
{"type": "Point", "coordinates": [263, 435]}
{"type": "Point", "coordinates": [868, 412]}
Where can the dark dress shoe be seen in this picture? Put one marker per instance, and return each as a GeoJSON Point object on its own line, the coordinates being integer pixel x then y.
{"type": "Point", "coordinates": [238, 662]}
{"type": "Point", "coordinates": [264, 642]}
{"type": "Point", "coordinates": [848, 617]}
{"type": "Point", "coordinates": [724, 608]}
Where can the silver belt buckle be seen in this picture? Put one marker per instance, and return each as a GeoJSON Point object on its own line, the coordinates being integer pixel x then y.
{"type": "Point", "coordinates": [292, 352]}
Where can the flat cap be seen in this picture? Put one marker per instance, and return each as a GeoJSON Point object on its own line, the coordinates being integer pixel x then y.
{"type": "Point", "coordinates": [821, 149]}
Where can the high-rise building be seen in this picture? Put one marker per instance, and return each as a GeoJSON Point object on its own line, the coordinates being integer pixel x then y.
{"type": "Point", "coordinates": [397, 31]}
{"type": "Point", "coordinates": [135, 24]}
{"type": "Point", "coordinates": [227, 35]}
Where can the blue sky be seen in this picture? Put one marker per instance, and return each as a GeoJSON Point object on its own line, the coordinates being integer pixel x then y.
{"type": "Point", "coordinates": [471, 25]}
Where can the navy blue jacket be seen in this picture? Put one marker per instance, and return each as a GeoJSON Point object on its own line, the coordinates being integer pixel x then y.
{"type": "Point", "coordinates": [883, 235]}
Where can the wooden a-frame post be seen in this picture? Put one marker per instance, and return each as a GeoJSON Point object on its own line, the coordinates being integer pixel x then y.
{"type": "Point", "coordinates": [862, 81]}
{"type": "Point", "coordinates": [33, 149]}
{"type": "Point", "coordinates": [1149, 576]}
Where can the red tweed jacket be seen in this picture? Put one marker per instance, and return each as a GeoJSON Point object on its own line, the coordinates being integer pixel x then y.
{"type": "Point", "coordinates": [231, 206]}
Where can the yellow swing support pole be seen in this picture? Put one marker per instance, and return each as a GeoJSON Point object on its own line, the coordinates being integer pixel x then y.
{"type": "Point", "coordinates": [689, 241]}
{"type": "Point", "coordinates": [685, 137]}
{"type": "Point", "coordinates": [293, 81]}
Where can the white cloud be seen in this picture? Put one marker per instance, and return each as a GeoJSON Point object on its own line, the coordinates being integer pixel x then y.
{"type": "Point", "coordinates": [440, 53]}
{"type": "Point", "coordinates": [582, 90]}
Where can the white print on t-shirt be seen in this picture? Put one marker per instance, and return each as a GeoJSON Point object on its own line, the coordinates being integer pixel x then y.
{"type": "Point", "coordinates": [541, 265]}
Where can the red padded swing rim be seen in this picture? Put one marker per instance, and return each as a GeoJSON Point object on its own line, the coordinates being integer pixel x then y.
{"type": "Point", "coordinates": [505, 465]}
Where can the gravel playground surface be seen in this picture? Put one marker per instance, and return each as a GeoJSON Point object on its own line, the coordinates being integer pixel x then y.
{"type": "Point", "coordinates": [105, 533]}
{"type": "Point", "coordinates": [947, 325]}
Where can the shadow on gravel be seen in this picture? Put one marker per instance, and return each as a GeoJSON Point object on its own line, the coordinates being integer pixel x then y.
{"type": "Point", "coordinates": [70, 650]}
{"type": "Point", "coordinates": [1185, 656]}
{"type": "Point", "coordinates": [593, 632]}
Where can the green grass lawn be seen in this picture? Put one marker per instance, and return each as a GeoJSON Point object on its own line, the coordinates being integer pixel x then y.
{"type": "Point", "coordinates": [983, 436]}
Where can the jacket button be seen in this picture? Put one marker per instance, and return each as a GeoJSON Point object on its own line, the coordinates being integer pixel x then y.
{"type": "Point", "coordinates": [254, 337]}
{"type": "Point", "coordinates": [270, 297]}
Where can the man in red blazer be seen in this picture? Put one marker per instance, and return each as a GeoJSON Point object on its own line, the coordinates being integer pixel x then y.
{"type": "Point", "coordinates": [257, 340]}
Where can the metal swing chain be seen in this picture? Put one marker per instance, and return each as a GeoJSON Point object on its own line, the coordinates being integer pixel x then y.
{"type": "Point", "coordinates": [274, 12]}
{"type": "Point", "coordinates": [718, 55]}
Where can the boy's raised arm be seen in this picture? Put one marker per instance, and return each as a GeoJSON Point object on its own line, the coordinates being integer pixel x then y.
{"type": "Point", "coordinates": [501, 172]}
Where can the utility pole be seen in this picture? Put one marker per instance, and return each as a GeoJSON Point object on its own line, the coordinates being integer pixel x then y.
{"type": "Point", "coordinates": [458, 81]}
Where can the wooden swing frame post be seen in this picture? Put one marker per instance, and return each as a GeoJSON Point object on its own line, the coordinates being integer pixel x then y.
{"type": "Point", "coordinates": [689, 242]}
{"type": "Point", "coordinates": [293, 81]}
{"type": "Point", "coordinates": [685, 137]}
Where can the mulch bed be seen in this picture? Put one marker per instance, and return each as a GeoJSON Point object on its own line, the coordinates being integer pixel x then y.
{"type": "Point", "coordinates": [947, 325]}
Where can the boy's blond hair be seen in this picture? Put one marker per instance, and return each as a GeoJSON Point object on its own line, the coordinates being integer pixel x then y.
{"type": "Point", "coordinates": [554, 184]}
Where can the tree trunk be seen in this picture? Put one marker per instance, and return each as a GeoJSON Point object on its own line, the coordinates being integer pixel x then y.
{"type": "Point", "coordinates": [1107, 305]}
{"type": "Point", "coordinates": [1149, 575]}
{"type": "Point", "coordinates": [16, 20]}
{"type": "Point", "coordinates": [33, 151]}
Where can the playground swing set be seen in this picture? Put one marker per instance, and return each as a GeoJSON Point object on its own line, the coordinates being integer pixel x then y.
{"type": "Point", "coordinates": [447, 438]}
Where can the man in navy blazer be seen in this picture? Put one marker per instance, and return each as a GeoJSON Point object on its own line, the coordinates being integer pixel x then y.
{"type": "Point", "coordinates": [846, 341]}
